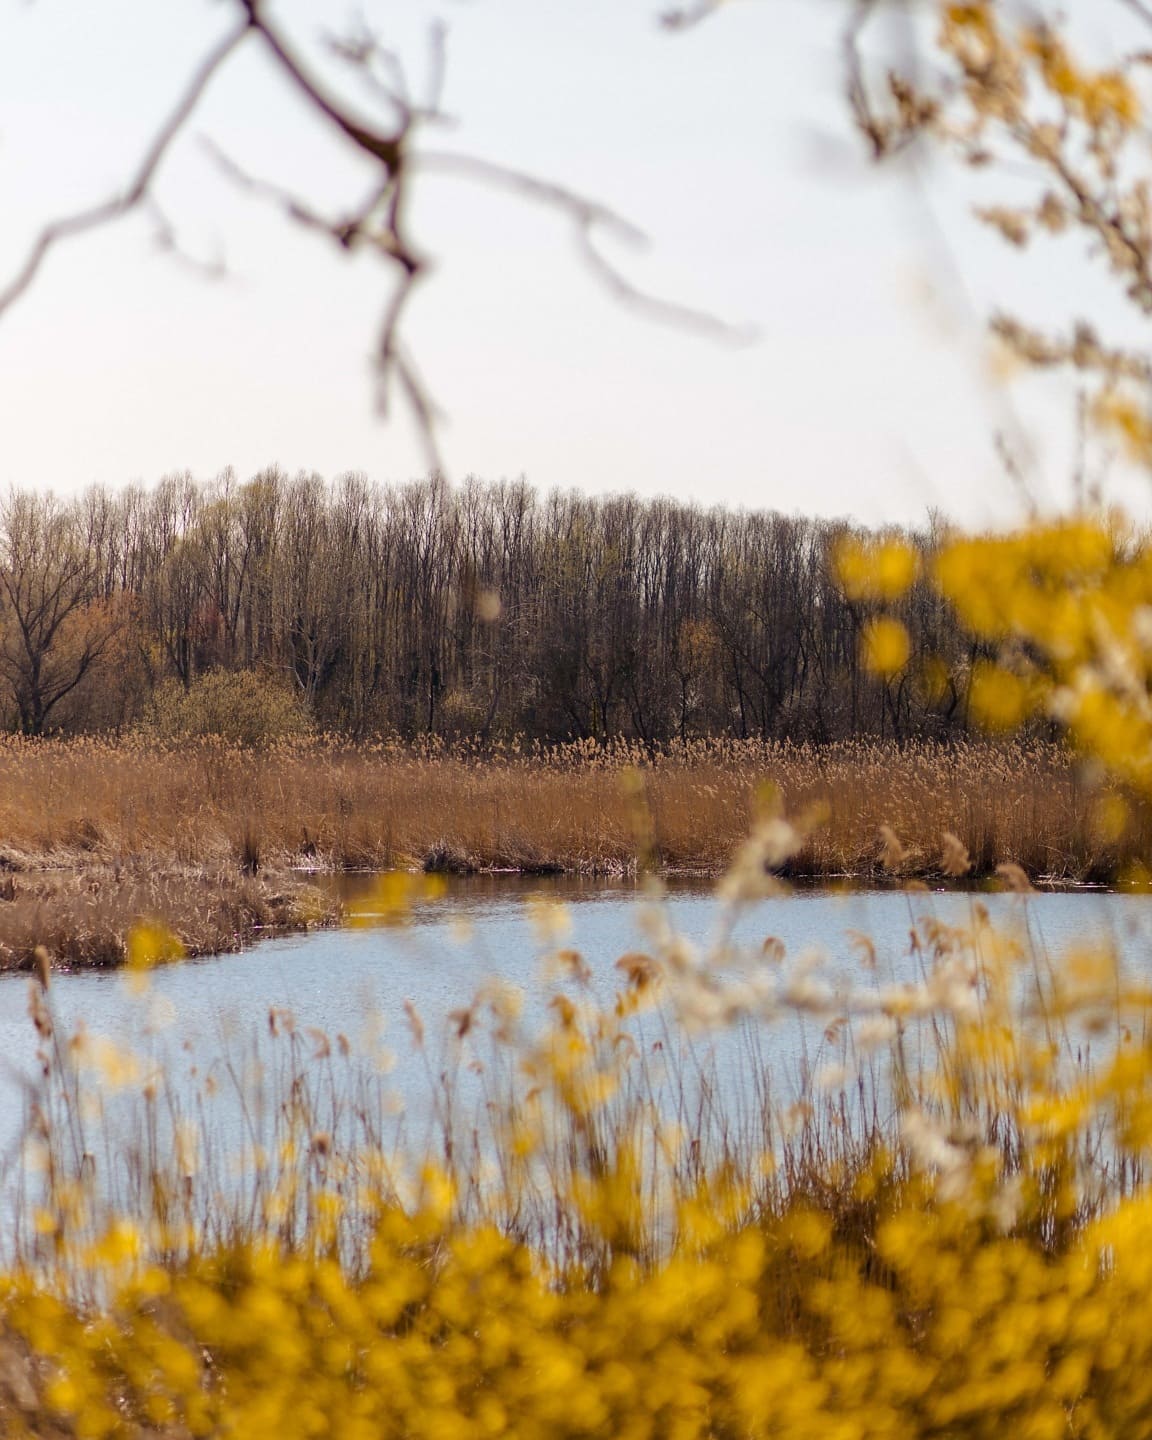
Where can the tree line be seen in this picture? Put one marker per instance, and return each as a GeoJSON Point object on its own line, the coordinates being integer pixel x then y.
{"type": "Point", "coordinates": [480, 609]}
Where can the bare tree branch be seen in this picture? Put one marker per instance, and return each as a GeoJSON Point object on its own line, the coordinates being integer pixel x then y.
{"type": "Point", "coordinates": [387, 149]}
{"type": "Point", "coordinates": [379, 221]}
{"type": "Point", "coordinates": [345, 232]}
{"type": "Point", "coordinates": [376, 223]}
{"type": "Point", "coordinates": [120, 205]}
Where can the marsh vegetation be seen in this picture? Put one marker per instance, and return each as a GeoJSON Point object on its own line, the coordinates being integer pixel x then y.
{"type": "Point", "coordinates": [215, 838]}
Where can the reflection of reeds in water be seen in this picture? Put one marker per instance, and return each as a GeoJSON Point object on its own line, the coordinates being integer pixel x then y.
{"type": "Point", "coordinates": [381, 805]}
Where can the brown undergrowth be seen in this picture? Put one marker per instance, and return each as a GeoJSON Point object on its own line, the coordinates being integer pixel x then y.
{"type": "Point", "coordinates": [582, 808]}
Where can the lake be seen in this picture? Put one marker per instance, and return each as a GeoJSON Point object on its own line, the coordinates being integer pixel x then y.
{"type": "Point", "coordinates": [207, 1022]}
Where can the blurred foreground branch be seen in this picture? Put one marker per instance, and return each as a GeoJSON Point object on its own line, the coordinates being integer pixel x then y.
{"type": "Point", "coordinates": [379, 222]}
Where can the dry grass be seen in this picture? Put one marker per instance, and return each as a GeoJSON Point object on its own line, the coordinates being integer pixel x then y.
{"type": "Point", "coordinates": [95, 835]}
{"type": "Point", "coordinates": [82, 918]}
{"type": "Point", "coordinates": [580, 808]}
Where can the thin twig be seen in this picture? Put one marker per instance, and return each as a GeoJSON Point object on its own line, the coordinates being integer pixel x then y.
{"type": "Point", "coordinates": [546, 192]}
{"type": "Point", "coordinates": [859, 101]}
{"type": "Point", "coordinates": [670, 312]}
{"type": "Point", "coordinates": [345, 232]}
{"type": "Point", "coordinates": [588, 216]}
{"type": "Point", "coordinates": [683, 17]}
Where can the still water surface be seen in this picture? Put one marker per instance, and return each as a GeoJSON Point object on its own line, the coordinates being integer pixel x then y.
{"type": "Point", "coordinates": [200, 1016]}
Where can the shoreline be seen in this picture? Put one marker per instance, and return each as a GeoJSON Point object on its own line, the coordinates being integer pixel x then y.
{"type": "Point", "coordinates": [224, 845]}
{"type": "Point", "coordinates": [81, 917]}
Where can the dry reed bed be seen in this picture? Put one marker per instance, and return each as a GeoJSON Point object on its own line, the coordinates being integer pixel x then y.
{"type": "Point", "coordinates": [83, 918]}
{"type": "Point", "coordinates": [98, 835]}
{"type": "Point", "coordinates": [581, 808]}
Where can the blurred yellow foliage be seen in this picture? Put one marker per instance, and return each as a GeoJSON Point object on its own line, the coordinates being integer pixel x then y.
{"type": "Point", "coordinates": [875, 569]}
{"type": "Point", "coordinates": [885, 646]}
{"type": "Point", "coordinates": [152, 943]}
{"type": "Point", "coordinates": [393, 896]}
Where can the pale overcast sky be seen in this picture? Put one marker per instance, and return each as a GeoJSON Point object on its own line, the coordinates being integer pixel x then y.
{"type": "Point", "coordinates": [865, 392]}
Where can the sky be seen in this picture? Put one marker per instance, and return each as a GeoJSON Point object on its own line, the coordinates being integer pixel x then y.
{"type": "Point", "coordinates": [862, 387]}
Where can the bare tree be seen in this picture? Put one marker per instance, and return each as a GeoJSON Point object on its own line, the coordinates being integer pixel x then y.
{"type": "Point", "coordinates": [53, 627]}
